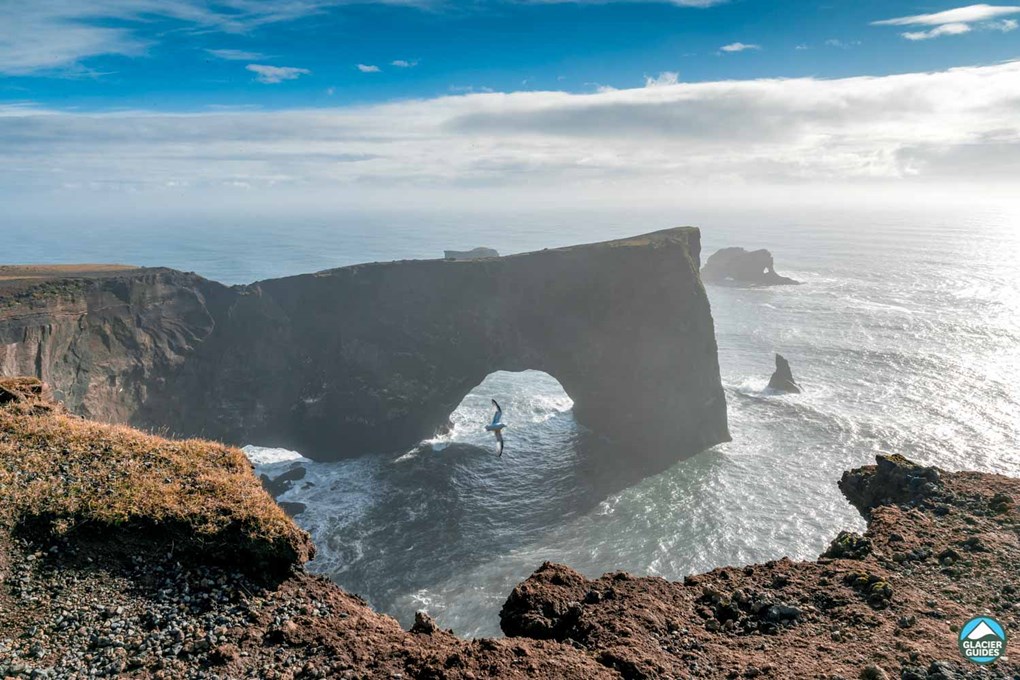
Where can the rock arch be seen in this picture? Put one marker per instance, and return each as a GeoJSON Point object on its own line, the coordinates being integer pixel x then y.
{"type": "Point", "coordinates": [375, 357]}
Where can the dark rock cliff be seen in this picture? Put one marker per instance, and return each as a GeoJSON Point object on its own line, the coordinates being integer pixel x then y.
{"type": "Point", "coordinates": [105, 341]}
{"type": "Point", "coordinates": [375, 357]}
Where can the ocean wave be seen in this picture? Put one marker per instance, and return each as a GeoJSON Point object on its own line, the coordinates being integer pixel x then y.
{"type": "Point", "coordinates": [262, 456]}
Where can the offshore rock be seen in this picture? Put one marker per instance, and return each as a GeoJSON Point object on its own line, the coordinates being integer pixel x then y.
{"type": "Point", "coordinates": [782, 380]}
{"type": "Point", "coordinates": [739, 267]}
{"type": "Point", "coordinates": [375, 357]}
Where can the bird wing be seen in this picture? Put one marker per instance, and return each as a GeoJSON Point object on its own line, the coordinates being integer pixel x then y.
{"type": "Point", "coordinates": [499, 413]}
{"type": "Point", "coordinates": [499, 438]}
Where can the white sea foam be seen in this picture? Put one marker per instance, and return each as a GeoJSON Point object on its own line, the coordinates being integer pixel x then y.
{"type": "Point", "coordinates": [261, 455]}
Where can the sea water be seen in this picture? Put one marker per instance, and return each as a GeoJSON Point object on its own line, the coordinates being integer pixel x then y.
{"type": "Point", "coordinates": [905, 336]}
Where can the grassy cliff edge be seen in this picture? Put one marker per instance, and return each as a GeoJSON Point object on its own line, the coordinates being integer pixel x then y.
{"type": "Point", "coordinates": [61, 475]}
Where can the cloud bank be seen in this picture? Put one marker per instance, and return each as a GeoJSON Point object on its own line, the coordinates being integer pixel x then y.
{"type": "Point", "coordinates": [956, 21]}
{"type": "Point", "coordinates": [958, 126]}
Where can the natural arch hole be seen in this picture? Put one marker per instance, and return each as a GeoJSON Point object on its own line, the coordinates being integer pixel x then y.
{"type": "Point", "coordinates": [532, 401]}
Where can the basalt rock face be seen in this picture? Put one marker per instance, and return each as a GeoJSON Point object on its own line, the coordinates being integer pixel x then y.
{"type": "Point", "coordinates": [782, 380]}
{"type": "Point", "coordinates": [104, 340]}
{"type": "Point", "coordinates": [375, 357]}
{"type": "Point", "coordinates": [739, 267]}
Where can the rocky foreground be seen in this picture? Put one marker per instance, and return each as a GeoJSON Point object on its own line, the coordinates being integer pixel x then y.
{"type": "Point", "coordinates": [128, 555]}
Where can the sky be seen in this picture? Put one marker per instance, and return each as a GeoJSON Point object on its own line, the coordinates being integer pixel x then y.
{"type": "Point", "coordinates": [203, 104]}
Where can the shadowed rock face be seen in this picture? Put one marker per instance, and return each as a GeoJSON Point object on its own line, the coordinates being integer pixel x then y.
{"type": "Point", "coordinates": [739, 267]}
{"type": "Point", "coordinates": [106, 340]}
{"type": "Point", "coordinates": [375, 357]}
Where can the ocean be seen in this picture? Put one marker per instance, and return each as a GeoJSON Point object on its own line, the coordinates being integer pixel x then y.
{"type": "Point", "coordinates": [905, 336]}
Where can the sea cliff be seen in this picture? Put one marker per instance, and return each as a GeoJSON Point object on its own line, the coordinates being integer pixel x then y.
{"type": "Point", "coordinates": [375, 357]}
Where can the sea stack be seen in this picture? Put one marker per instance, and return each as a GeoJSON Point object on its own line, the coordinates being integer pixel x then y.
{"type": "Point", "coordinates": [782, 380]}
{"type": "Point", "coordinates": [739, 267]}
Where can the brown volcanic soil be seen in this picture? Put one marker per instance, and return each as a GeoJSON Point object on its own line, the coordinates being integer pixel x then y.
{"type": "Point", "coordinates": [85, 592]}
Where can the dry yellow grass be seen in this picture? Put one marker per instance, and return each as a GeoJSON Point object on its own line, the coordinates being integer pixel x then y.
{"type": "Point", "coordinates": [65, 475]}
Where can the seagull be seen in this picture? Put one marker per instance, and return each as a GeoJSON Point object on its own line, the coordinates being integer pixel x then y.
{"type": "Point", "coordinates": [496, 427]}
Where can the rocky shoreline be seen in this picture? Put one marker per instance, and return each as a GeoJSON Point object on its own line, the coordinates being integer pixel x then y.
{"type": "Point", "coordinates": [84, 593]}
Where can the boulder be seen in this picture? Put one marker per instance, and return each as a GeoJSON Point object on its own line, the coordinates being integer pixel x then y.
{"type": "Point", "coordinates": [424, 624]}
{"type": "Point", "coordinates": [892, 480]}
{"type": "Point", "coordinates": [739, 267]}
{"type": "Point", "coordinates": [281, 484]}
{"type": "Point", "coordinates": [782, 380]}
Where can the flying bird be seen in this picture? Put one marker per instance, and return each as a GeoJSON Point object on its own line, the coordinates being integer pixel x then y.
{"type": "Point", "coordinates": [497, 425]}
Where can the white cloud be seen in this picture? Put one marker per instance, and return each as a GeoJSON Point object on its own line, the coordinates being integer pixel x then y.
{"type": "Point", "coordinates": [236, 55]}
{"type": "Point", "coordinates": [956, 21]}
{"type": "Point", "coordinates": [276, 74]}
{"type": "Point", "coordinates": [961, 15]}
{"type": "Point", "coordinates": [56, 35]}
{"type": "Point", "coordinates": [470, 89]}
{"type": "Point", "coordinates": [404, 63]}
{"type": "Point", "coordinates": [663, 79]}
{"type": "Point", "coordinates": [678, 3]}
{"type": "Point", "coordinates": [739, 47]}
{"type": "Point", "coordinates": [368, 68]}
{"type": "Point", "coordinates": [44, 35]}
{"type": "Point", "coordinates": [958, 126]}
{"type": "Point", "coordinates": [944, 29]}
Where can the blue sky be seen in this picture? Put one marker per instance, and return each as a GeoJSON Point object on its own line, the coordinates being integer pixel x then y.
{"type": "Point", "coordinates": [155, 106]}
{"type": "Point", "coordinates": [192, 54]}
